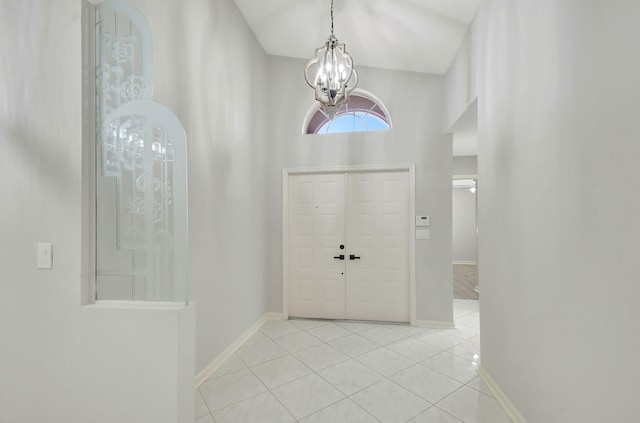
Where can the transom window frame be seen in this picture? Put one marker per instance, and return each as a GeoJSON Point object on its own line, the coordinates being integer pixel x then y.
{"type": "Point", "coordinates": [316, 118]}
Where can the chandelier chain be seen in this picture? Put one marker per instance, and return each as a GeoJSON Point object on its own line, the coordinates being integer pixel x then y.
{"type": "Point", "coordinates": [331, 17]}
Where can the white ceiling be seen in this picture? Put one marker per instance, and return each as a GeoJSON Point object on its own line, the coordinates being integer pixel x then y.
{"type": "Point", "coordinates": [411, 35]}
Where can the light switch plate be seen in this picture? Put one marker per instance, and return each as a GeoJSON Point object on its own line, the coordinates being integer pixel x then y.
{"type": "Point", "coordinates": [45, 255]}
{"type": "Point", "coordinates": [422, 234]}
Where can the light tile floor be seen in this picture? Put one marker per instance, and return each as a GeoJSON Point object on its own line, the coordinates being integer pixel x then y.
{"type": "Point", "coordinates": [312, 371]}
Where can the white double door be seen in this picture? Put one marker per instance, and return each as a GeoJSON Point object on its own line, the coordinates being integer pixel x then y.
{"type": "Point", "coordinates": [348, 246]}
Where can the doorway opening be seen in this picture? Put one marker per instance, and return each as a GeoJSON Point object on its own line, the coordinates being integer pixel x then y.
{"type": "Point", "coordinates": [464, 254]}
{"type": "Point", "coordinates": [464, 239]}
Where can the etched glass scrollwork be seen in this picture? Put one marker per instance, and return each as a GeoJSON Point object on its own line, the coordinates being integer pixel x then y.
{"type": "Point", "coordinates": [141, 185]}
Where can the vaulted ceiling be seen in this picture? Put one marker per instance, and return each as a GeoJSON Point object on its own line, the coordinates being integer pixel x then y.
{"type": "Point", "coordinates": [411, 35]}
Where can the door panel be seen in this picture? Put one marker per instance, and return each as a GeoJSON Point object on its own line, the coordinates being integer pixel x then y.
{"type": "Point", "coordinates": [378, 232]}
{"type": "Point", "coordinates": [316, 230]}
{"type": "Point", "coordinates": [367, 212]}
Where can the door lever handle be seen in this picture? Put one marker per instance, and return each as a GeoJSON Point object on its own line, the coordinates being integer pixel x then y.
{"type": "Point", "coordinates": [352, 257]}
{"type": "Point", "coordinates": [340, 257]}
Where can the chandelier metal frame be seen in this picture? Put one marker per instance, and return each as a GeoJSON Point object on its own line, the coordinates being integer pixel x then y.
{"type": "Point", "coordinates": [331, 73]}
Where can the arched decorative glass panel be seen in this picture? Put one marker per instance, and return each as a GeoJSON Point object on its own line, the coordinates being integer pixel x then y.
{"type": "Point", "coordinates": [361, 114]}
{"type": "Point", "coordinates": [353, 122]}
{"type": "Point", "coordinates": [142, 252]}
{"type": "Point", "coordinates": [141, 169]}
{"type": "Point", "coordinates": [124, 64]}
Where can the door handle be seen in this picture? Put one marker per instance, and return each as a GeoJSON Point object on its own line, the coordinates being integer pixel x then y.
{"type": "Point", "coordinates": [340, 257]}
{"type": "Point", "coordinates": [352, 257]}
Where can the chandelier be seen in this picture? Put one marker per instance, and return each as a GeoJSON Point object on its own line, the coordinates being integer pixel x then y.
{"type": "Point", "coordinates": [331, 74]}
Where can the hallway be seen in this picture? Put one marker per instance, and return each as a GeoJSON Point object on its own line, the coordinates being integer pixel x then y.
{"type": "Point", "coordinates": [465, 282]}
{"type": "Point", "coordinates": [323, 371]}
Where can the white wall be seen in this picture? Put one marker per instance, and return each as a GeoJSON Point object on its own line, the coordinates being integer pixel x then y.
{"type": "Point", "coordinates": [460, 82]}
{"type": "Point", "coordinates": [415, 103]}
{"type": "Point", "coordinates": [60, 362]}
{"type": "Point", "coordinates": [211, 71]}
{"type": "Point", "coordinates": [464, 244]}
{"type": "Point", "coordinates": [557, 85]}
{"type": "Point", "coordinates": [465, 165]}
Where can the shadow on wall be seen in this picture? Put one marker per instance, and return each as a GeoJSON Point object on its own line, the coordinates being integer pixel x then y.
{"type": "Point", "coordinates": [37, 152]}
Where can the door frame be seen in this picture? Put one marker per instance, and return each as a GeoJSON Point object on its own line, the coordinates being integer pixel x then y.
{"type": "Point", "coordinates": [409, 168]}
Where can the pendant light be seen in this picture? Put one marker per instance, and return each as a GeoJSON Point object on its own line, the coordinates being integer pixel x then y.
{"type": "Point", "coordinates": [331, 74]}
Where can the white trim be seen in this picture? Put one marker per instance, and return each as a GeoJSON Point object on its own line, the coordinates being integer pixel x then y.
{"type": "Point", "coordinates": [135, 305]}
{"type": "Point", "coordinates": [464, 262]}
{"type": "Point", "coordinates": [469, 176]}
{"type": "Point", "coordinates": [502, 398]}
{"type": "Point", "coordinates": [410, 168]}
{"type": "Point", "coordinates": [434, 324]}
{"type": "Point", "coordinates": [88, 196]}
{"type": "Point", "coordinates": [348, 168]}
{"type": "Point", "coordinates": [375, 99]}
{"type": "Point", "coordinates": [307, 117]}
{"type": "Point", "coordinates": [412, 245]}
{"type": "Point", "coordinates": [285, 243]}
{"type": "Point", "coordinates": [215, 364]}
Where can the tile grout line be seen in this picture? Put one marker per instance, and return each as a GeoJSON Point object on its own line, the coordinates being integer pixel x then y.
{"type": "Point", "coordinates": [205, 404]}
{"type": "Point", "coordinates": [266, 387]}
{"type": "Point", "coordinates": [274, 395]}
{"type": "Point", "coordinates": [384, 377]}
{"type": "Point", "coordinates": [348, 397]}
{"type": "Point", "coordinates": [404, 336]}
{"type": "Point", "coordinates": [304, 364]}
{"type": "Point", "coordinates": [316, 372]}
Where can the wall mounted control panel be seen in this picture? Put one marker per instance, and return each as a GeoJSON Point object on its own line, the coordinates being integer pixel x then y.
{"type": "Point", "coordinates": [423, 220]}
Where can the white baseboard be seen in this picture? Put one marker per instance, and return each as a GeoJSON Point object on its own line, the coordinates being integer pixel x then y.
{"type": "Point", "coordinates": [272, 316]}
{"type": "Point", "coordinates": [465, 262]}
{"type": "Point", "coordinates": [215, 364]}
{"type": "Point", "coordinates": [502, 398]}
{"type": "Point", "coordinates": [434, 324]}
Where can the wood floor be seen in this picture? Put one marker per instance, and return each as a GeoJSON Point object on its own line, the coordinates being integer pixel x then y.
{"type": "Point", "coordinates": [465, 281]}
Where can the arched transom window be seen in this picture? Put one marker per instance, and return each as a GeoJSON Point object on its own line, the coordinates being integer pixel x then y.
{"type": "Point", "coordinates": [363, 113]}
